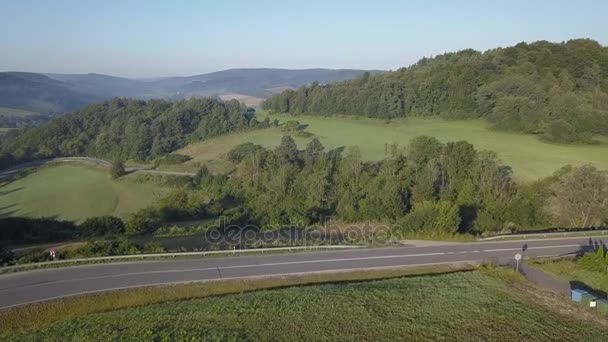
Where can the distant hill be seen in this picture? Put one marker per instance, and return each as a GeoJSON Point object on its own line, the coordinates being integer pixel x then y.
{"type": "Point", "coordinates": [40, 94]}
{"type": "Point", "coordinates": [556, 90]}
{"type": "Point", "coordinates": [252, 82]}
{"type": "Point", "coordinates": [102, 85]}
{"type": "Point", "coordinates": [59, 93]}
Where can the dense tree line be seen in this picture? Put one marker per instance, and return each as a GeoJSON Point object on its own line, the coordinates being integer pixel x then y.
{"type": "Point", "coordinates": [130, 129]}
{"type": "Point", "coordinates": [428, 187]}
{"type": "Point", "coordinates": [557, 90]}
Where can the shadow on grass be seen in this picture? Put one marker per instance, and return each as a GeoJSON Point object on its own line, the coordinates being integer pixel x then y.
{"type": "Point", "coordinates": [575, 284]}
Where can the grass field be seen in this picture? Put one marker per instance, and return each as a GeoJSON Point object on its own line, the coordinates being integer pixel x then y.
{"type": "Point", "coordinates": [479, 305]}
{"type": "Point", "coordinates": [73, 192]}
{"type": "Point", "coordinates": [530, 157]}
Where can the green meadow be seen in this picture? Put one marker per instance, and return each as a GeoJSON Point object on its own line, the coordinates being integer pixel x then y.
{"type": "Point", "coordinates": [530, 157]}
{"type": "Point", "coordinates": [488, 305]}
{"type": "Point", "coordinates": [73, 192]}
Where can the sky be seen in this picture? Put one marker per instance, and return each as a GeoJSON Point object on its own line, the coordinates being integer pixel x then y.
{"type": "Point", "coordinates": [144, 39]}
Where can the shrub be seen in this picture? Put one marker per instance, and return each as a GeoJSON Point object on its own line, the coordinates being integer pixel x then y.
{"type": "Point", "coordinates": [100, 226]}
{"type": "Point", "coordinates": [117, 169]}
{"type": "Point", "coordinates": [144, 221]}
{"type": "Point", "coordinates": [240, 152]}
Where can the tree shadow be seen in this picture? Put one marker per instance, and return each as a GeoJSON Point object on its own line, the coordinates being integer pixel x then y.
{"type": "Point", "coordinates": [579, 285]}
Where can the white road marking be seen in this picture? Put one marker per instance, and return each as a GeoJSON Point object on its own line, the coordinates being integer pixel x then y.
{"type": "Point", "coordinates": [214, 268]}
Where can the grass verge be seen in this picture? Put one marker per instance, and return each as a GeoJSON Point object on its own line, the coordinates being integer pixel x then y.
{"type": "Point", "coordinates": [487, 304]}
{"type": "Point", "coordinates": [38, 315]}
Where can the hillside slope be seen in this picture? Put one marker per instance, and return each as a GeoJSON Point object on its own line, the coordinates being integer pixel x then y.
{"type": "Point", "coordinates": [60, 93]}
{"type": "Point", "coordinates": [559, 90]}
{"type": "Point", "coordinates": [40, 94]}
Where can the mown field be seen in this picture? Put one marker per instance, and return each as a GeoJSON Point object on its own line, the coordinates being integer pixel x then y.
{"type": "Point", "coordinates": [73, 192]}
{"type": "Point", "coordinates": [479, 305]}
{"type": "Point", "coordinates": [530, 157]}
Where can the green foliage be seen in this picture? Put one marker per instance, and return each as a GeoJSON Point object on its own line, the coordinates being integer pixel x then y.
{"type": "Point", "coordinates": [117, 169]}
{"type": "Point", "coordinates": [579, 197]}
{"type": "Point", "coordinates": [100, 226]}
{"type": "Point", "coordinates": [241, 151]}
{"type": "Point", "coordinates": [130, 129]}
{"type": "Point", "coordinates": [6, 256]}
{"type": "Point", "coordinates": [143, 221]}
{"type": "Point", "coordinates": [451, 188]}
{"type": "Point", "coordinates": [432, 218]}
{"type": "Point", "coordinates": [546, 88]}
{"type": "Point", "coordinates": [102, 248]}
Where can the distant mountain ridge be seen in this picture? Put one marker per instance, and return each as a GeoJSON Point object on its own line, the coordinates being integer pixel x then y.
{"type": "Point", "coordinates": [59, 93]}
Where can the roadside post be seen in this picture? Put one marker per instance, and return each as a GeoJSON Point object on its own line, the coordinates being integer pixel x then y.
{"type": "Point", "coordinates": [517, 260]}
{"type": "Point", "coordinates": [53, 254]}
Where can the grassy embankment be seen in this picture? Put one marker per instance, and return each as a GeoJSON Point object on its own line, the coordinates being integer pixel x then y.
{"type": "Point", "coordinates": [74, 192]}
{"type": "Point", "coordinates": [575, 270]}
{"type": "Point", "coordinates": [488, 304]}
{"type": "Point", "coordinates": [530, 157]}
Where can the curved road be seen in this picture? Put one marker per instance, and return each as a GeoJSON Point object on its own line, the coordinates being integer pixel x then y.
{"type": "Point", "coordinates": [96, 161]}
{"type": "Point", "coordinates": [34, 286]}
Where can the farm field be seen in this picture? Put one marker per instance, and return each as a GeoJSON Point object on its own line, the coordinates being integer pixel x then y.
{"type": "Point", "coordinates": [530, 157]}
{"type": "Point", "coordinates": [478, 305]}
{"type": "Point", "coordinates": [73, 192]}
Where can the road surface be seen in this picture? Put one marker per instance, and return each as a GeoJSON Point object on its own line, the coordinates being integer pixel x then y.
{"type": "Point", "coordinates": [34, 286]}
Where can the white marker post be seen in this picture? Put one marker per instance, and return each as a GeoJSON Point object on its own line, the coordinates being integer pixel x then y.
{"type": "Point", "coordinates": [52, 252]}
{"type": "Point", "coordinates": [517, 259]}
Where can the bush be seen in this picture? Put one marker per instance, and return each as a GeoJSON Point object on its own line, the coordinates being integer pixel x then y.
{"type": "Point", "coordinates": [104, 248]}
{"type": "Point", "coordinates": [240, 152]}
{"type": "Point", "coordinates": [6, 256]}
{"type": "Point", "coordinates": [118, 169]}
{"type": "Point", "coordinates": [100, 226]}
{"type": "Point", "coordinates": [144, 221]}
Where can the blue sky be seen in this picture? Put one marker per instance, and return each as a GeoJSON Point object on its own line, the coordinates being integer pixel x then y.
{"type": "Point", "coordinates": [161, 38]}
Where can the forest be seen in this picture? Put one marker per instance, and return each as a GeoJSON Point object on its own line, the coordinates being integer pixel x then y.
{"type": "Point", "coordinates": [128, 129]}
{"type": "Point", "coordinates": [428, 188]}
{"type": "Point", "coordinates": [556, 90]}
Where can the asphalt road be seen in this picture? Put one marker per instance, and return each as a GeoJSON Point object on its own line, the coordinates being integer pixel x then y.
{"type": "Point", "coordinates": [34, 286]}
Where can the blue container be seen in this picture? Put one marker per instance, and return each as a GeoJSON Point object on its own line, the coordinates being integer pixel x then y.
{"type": "Point", "coordinates": [577, 295]}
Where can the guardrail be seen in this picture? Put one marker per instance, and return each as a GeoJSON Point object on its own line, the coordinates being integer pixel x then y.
{"type": "Point", "coordinates": [533, 235]}
{"type": "Point", "coordinates": [179, 254]}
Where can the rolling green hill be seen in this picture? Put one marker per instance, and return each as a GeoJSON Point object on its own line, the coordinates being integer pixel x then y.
{"type": "Point", "coordinates": [530, 157]}
{"type": "Point", "coordinates": [556, 90]}
{"type": "Point", "coordinates": [73, 192]}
